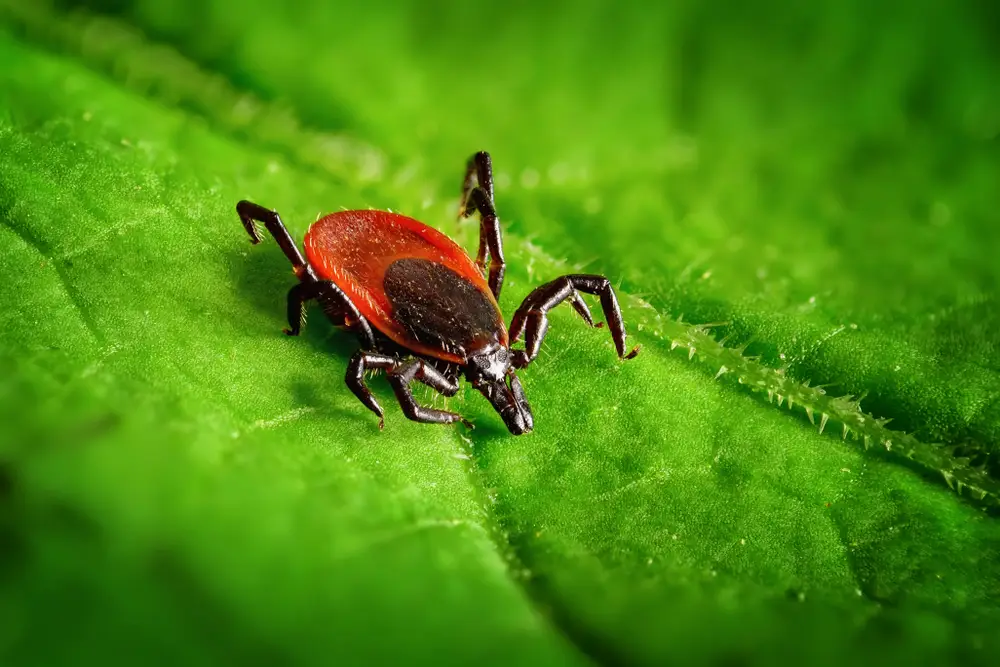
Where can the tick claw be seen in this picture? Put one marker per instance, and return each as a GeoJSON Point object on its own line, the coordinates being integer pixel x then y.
{"type": "Point", "coordinates": [633, 353]}
{"type": "Point", "coordinates": [381, 423]}
{"type": "Point", "coordinates": [599, 325]}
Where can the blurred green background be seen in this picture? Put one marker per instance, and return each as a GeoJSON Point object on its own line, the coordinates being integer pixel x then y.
{"type": "Point", "coordinates": [181, 484]}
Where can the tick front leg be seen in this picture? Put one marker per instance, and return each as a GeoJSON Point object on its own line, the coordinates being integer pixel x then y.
{"type": "Point", "coordinates": [417, 369]}
{"type": "Point", "coordinates": [400, 375]}
{"type": "Point", "coordinates": [477, 195]}
{"type": "Point", "coordinates": [531, 319]}
{"type": "Point", "coordinates": [338, 308]}
{"type": "Point", "coordinates": [250, 213]}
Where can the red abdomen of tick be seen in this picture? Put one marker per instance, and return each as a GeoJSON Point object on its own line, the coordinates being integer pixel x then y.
{"type": "Point", "coordinates": [410, 281]}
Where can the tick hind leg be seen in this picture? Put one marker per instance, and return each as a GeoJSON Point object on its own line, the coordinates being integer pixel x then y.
{"type": "Point", "coordinates": [401, 374]}
{"type": "Point", "coordinates": [338, 306]}
{"type": "Point", "coordinates": [531, 319]}
{"type": "Point", "coordinates": [477, 195]}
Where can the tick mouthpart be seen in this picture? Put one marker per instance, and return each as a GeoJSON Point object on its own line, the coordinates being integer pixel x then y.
{"type": "Point", "coordinates": [518, 420]}
{"type": "Point", "coordinates": [507, 398]}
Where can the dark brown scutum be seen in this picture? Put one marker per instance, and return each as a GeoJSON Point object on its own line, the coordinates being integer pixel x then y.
{"type": "Point", "coordinates": [438, 307]}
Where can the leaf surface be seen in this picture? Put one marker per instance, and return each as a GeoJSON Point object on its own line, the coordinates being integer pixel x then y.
{"type": "Point", "coordinates": [177, 478]}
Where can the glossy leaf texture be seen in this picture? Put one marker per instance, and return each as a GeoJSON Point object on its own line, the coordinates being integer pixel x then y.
{"type": "Point", "coordinates": [797, 207]}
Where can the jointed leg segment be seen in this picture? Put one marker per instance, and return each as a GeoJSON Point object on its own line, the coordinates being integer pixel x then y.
{"type": "Point", "coordinates": [531, 319]}
{"type": "Point", "coordinates": [250, 212]}
{"type": "Point", "coordinates": [337, 306]}
{"type": "Point", "coordinates": [400, 374]}
{"type": "Point", "coordinates": [477, 195]}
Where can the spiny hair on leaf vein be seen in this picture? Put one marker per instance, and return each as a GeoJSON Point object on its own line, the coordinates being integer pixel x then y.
{"type": "Point", "coordinates": [422, 309]}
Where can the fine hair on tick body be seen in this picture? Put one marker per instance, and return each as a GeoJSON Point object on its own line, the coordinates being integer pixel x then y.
{"type": "Point", "coordinates": [422, 309]}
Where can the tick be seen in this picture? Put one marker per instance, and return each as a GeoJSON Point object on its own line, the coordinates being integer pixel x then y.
{"type": "Point", "coordinates": [422, 308]}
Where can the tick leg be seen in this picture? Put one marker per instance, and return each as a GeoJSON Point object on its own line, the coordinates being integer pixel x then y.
{"type": "Point", "coordinates": [417, 369]}
{"type": "Point", "coordinates": [250, 212]}
{"type": "Point", "coordinates": [337, 305]}
{"type": "Point", "coordinates": [477, 195]}
{"type": "Point", "coordinates": [338, 308]}
{"type": "Point", "coordinates": [531, 319]}
{"type": "Point", "coordinates": [401, 374]}
{"type": "Point", "coordinates": [359, 363]}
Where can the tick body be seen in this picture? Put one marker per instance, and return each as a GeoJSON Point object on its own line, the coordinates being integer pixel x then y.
{"type": "Point", "coordinates": [422, 308]}
{"type": "Point", "coordinates": [411, 282]}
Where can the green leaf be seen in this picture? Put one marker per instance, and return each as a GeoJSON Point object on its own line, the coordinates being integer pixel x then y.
{"type": "Point", "coordinates": [795, 204]}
